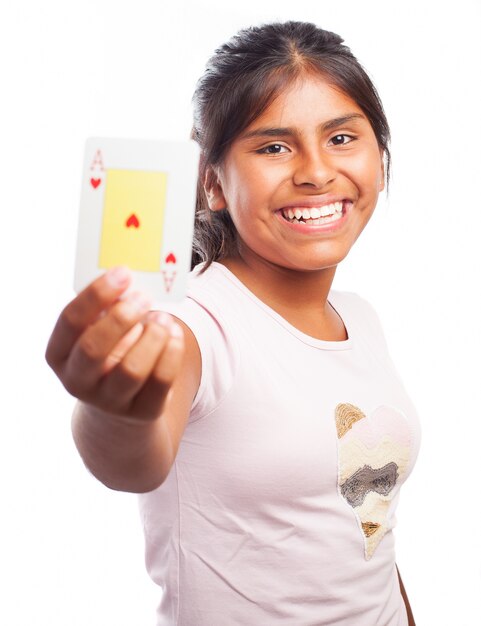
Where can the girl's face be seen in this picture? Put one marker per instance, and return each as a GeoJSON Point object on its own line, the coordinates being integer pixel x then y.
{"type": "Point", "coordinates": [302, 181]}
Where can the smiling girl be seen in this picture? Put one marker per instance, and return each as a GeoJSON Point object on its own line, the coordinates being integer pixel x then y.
{"type": "Point", "coordinates": [264, 424]}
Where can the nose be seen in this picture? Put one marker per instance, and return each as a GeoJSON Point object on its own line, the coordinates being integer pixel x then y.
{"type": "Point", "coordinates": [314, 168]}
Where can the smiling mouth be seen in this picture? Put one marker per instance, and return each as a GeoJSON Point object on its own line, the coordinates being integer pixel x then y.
{"type": "Point", "coordinates": [314, 215]}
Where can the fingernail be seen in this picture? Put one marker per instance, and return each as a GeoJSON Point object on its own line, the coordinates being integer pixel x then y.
{"type": "Point", "coordinates": [163, 319]}
{"type": "Point", "coordinates": [176, 331]}
{"type": "Point", "coordinates": [118, 276]}
{"type": "Point", "coordinates": [138, 301]}
{"type": "Point", "coordinates": [167, 321]}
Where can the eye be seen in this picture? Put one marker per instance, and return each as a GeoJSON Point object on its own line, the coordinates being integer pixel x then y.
{"type": "Point", "coordinates": [273, 148]}
{"type": "Point", "coordinates": [341, 140]}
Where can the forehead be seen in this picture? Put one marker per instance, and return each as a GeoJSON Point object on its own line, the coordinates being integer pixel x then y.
{"type": "Point", "coordinates": [308, 100]}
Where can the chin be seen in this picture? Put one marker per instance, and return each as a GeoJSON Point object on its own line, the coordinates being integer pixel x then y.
{"type": "Point", "coordinates": [324, 259]}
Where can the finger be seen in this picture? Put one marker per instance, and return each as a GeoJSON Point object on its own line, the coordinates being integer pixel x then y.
{"type": "Point", "coordinates": [149, 402]}
{"type": "Point", "coordinates": [82, 311]}
{"type": "Point", "coordinates": [86, 363]}
{"type": "Point", "coordinates": [119, 387]}
{"type": "Point", "coordinates": [121, 349]}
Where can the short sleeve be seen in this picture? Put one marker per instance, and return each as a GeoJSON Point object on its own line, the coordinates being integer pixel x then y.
{"type": "Point", "coordinates": [217, 350]}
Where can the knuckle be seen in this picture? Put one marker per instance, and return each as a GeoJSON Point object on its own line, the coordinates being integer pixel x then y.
{"type": "Point", "coordinates": [131, 369]}
{"type": "Point", "coordinates": [94, 295]}
{"type": "Point", "coordinates": [84, 307]}
{"type": "Point", "coordinates": [157, 332]}
{"type": "Point", "coordinates": [71, 316]}
{"type": "Point", "coordinates": [89, 347]}
{"type": "Point", "coordinates": [72, 386]}
{"type": "Point", "coordinates": [120, 315]}
{"type": "Point", "coordinates": [88, 303]}
{"type": "Point", "coordinates": [164, 374]}
{"type": "Point", "coordinates": [169, 363]}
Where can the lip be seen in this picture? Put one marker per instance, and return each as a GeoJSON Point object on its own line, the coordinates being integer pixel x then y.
{"type": "Point", "coordinates": [317, 229]}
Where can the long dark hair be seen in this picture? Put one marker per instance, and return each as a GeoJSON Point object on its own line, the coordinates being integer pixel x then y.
{"type": "Point", "coordinates": [240, 81]}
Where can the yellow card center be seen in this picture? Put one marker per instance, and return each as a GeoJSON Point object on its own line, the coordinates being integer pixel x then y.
{"type": "Point", "coordinates": [133, 219]}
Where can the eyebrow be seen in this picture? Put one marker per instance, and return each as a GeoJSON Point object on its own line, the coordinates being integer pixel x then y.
{"type": "Point", "coordinates": [290, 132]}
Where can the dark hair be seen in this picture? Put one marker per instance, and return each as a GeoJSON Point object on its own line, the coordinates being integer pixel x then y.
{"type": "Point", "coordinates": [240, 81]}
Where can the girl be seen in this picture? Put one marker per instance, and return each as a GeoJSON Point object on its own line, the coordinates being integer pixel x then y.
{"type": "Point", "coordinates": [264, 425]}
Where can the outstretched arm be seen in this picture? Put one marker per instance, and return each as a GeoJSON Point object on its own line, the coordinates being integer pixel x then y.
{"type": "Point", "coordinates": [135, 373]}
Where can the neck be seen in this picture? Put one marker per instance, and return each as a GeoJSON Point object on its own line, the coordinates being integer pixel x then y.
{"type": "Point", "coordinates": [298, 296]}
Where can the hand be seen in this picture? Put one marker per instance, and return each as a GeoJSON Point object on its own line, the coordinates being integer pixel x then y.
{"type": "Point", "coordinates": [113, 354]}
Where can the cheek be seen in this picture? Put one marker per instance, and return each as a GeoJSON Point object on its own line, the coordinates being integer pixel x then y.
{"type": "Point", "coordinates": [366, 171]}
{"type": "Point", "coordinates": [251, 187]}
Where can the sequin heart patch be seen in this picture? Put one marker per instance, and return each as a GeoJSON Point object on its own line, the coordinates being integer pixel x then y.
{"type": "Point", "coordinates": [374, 455]}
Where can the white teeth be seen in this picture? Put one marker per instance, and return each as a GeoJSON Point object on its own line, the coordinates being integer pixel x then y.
{"type": "Point", "coordinates": [327, 210]}
{"type": "Point", "coordinates": [313, 214]}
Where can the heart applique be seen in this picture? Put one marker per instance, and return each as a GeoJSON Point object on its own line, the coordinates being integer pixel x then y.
{"type": "Point", "coordinates": [133, 220]}
{"type": "Point", "coordinates": [374, 454]}
{"type": "Point", "coordinates": [95, 182]}
{"type": "Point", "coordinates": [170, 258]}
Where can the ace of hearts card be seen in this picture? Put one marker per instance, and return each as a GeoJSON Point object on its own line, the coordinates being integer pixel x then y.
{"type": "Point", "coordinates": [137, 209]}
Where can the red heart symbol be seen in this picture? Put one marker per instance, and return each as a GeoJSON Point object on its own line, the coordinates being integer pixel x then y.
{"type": "Point", "coordinates": [170, 258]}
{"type": "Point", "coordinates": [132, 221]}
{"type": "Point", "coordinates": [95, 182]}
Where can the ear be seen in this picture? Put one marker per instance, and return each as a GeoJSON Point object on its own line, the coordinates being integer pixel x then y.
{"type": "Point", "coordinates": [213, 190]}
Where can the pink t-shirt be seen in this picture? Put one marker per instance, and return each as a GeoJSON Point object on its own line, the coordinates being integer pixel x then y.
{"type": "Point", "coordinates": [280, 505]}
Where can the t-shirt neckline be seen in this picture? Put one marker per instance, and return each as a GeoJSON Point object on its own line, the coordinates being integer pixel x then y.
{"type": "Point", "coordinates": [323, 344]}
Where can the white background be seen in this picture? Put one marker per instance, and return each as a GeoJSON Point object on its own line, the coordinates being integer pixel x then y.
{"type": "Point", "coordinates": [71, 550]}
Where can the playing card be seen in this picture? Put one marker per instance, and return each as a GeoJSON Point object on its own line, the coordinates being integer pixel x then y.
{"type": "Point", "coordinates": [137, 209]}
